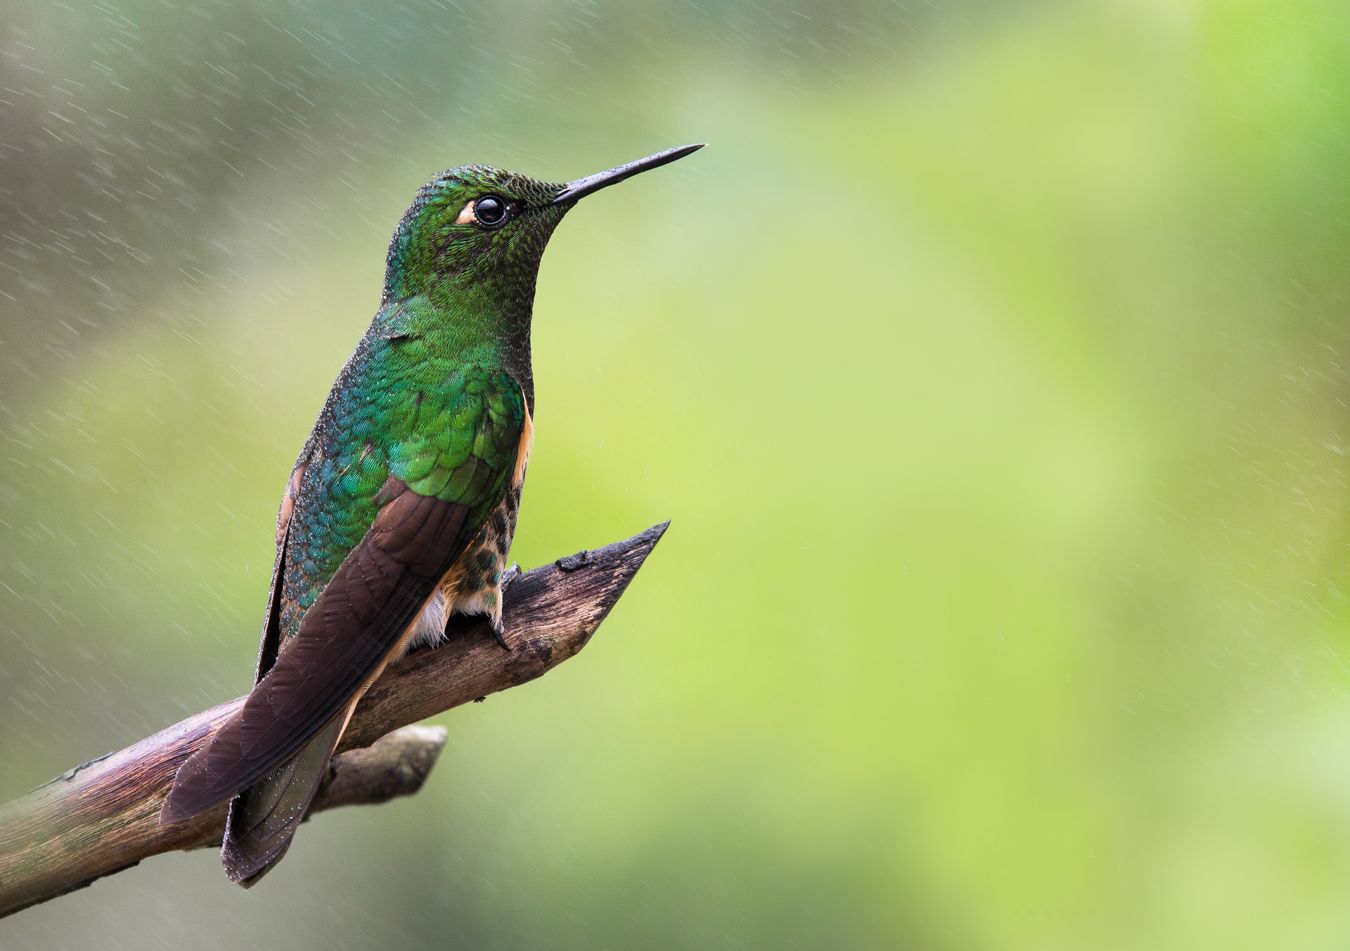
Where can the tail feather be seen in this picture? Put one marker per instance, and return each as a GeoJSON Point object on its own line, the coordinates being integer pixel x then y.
{"type": "Point", "coordinates": [264, 817]}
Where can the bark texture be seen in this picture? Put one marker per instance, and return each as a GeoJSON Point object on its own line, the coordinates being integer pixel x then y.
{"type": "Point", "coordinates": [103, 816]}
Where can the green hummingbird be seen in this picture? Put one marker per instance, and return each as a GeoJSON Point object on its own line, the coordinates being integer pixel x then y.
{"type": "Point", "coordinates": [400, 509]}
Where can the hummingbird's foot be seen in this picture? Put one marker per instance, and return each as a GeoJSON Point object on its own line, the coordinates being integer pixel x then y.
{"type": "Point", "coordinates": [498, 601]}
{"type": "Point", "coordinates": [497, 628]}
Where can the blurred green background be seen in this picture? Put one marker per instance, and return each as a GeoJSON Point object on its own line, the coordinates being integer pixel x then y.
{"type": "Point", "coordinates": [991, 363]}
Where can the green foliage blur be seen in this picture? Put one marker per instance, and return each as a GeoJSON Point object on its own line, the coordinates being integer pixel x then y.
{"type": "Point", "coordinates": [991, 364]}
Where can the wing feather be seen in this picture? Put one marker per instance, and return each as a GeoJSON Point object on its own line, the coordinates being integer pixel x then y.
{"type": "Point", "coordinates": [429, 508]}
{"type": "Point", "coordinates": [343, 642]}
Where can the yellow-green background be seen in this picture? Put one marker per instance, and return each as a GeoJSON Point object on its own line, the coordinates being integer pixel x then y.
{"type": "Point", "coordinates": [991, 363]}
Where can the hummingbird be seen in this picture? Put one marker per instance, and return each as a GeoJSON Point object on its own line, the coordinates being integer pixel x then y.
{"type": "Point", "coordinates": [401, 506]}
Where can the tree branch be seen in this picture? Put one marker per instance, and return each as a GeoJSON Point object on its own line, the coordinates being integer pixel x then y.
{"type": "Point", "coordinates": [103, 816]}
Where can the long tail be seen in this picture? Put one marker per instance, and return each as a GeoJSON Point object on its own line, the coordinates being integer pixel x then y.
{"type": "Point", "coordinates": [264, 817]}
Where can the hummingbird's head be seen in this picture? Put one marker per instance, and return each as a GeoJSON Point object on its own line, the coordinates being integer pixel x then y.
{"type": "Point", "coordinates": [477, 227]}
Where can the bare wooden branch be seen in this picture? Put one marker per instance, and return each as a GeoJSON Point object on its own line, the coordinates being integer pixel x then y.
{"type": "Point", "coordinates": [103, 816]}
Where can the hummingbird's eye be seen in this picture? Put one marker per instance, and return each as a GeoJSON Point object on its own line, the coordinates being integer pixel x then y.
{"type": "Point", "coordinates": [489, 210]}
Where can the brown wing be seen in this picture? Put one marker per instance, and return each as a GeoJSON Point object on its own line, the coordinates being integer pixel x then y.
{"type": "Point", "coordinates": [345, 639]}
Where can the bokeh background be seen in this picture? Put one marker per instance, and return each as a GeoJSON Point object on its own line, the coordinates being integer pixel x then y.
{"type": "Point", "coordinates": [991, 364]}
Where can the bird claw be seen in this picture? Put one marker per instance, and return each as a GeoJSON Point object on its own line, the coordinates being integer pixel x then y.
{"type": "Point", "coordinates": [495, 623]}
{"type": "Point", "coordinates": [498, 629]}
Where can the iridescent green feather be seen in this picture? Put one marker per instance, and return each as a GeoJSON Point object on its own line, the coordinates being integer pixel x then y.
{"type": "Point", "coordinates": [446, 429]}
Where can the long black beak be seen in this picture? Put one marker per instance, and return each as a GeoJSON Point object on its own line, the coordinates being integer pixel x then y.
{"type": "Point", "coordinates": [593, 183]}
